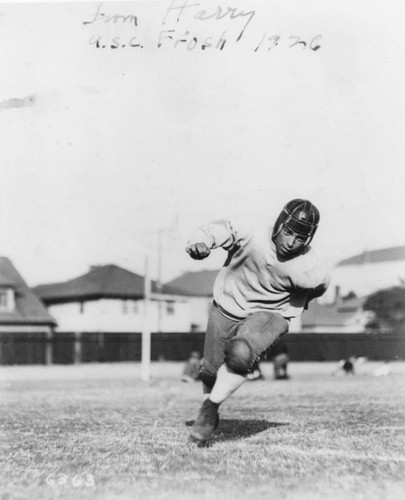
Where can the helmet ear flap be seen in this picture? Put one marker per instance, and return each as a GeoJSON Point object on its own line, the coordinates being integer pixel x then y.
{"type": "Point", "coordinates": [277, 228]}
{"type": "Point", "coordinates": [281, 219]}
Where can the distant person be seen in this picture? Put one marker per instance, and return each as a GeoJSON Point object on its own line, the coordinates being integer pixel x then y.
{"type": "Point", "coordinates": [270, 275]}
{"type": "Point", "coordinates": [348, 366]}
{"type": "Point", "coordinates": [191, 371]}
{"type": "Point", "coordinates": [345, 366]}
{"type": "Point", "coordinates": [281, 364]}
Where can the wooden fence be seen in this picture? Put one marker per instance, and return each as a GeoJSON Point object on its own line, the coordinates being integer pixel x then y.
{"type": "Point", "coordinates": [70, 347]}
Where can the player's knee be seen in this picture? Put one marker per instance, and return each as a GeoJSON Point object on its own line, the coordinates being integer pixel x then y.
{"type": "Point", "coordinates": [239, 356]}
{"type": "Point", "coordinates": [207, 378]}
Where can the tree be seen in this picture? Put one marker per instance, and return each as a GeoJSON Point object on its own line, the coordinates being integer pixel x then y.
{"type": "Point", "coordinates": [388, 307]}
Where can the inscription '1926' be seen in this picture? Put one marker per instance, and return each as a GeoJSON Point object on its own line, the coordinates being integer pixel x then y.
{"type": "Point", "coordinates": [174, 36]}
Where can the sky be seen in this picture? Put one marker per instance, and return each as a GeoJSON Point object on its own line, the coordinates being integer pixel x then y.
{"type": "Point", "coordinates": [117, 140]}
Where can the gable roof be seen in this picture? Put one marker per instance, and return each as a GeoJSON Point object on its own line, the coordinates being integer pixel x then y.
{"type": "Point", "coordinates": [195, 284]}
{"type": "Point", "coordinates": [28, 308]}
{"type": "Point", "coordinates": [108, 281]}
{"type": "Point", "coordinates": [391, 254]}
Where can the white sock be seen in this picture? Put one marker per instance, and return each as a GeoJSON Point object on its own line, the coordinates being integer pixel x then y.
{"type": "Point", "coordinates": [226, 384]}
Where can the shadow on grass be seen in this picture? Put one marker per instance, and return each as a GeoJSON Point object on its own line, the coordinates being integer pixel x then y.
{"type": "Point", "coordinates": [234, 429]}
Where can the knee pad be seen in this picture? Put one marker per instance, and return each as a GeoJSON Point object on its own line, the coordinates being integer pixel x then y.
{"type": "Point", "coordinates": [239, 356]}
{"type": "Point", "coordinates": [208, 379]}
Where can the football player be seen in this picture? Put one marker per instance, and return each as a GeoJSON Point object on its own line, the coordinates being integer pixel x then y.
{"type": "Point", "coordinates": [270, 275]}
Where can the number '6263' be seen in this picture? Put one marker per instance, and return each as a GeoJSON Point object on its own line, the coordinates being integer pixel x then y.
{"type": "Point", "coordinates": [78, 480]}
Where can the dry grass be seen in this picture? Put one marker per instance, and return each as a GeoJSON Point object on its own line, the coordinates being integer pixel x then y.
{"type": "Point", "coordinates": [98, 432]}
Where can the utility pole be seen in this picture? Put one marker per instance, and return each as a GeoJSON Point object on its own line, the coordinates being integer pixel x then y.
{"type": "Point", "coordinates": [159, 279]}
{"type": "Point", "coordinates": [146, 332]}
{"type": "Point", "coordinates": [159, 285]}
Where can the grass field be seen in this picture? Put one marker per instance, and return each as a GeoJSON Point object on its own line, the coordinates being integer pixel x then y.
{"type": "Point", "coordinates": [98, 432]}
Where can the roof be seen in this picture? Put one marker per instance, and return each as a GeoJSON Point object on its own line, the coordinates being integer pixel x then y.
{"type": "Point", "coordinates": [391, 254]}
{"type": "Point", "coordinates": [196, 284]}
{"type": "Point", "coordinates": [109, 281]}
{"type": "Point", "coordinates": [353, 304]}
{"type": "Point", "coordinates": [327, 315]}
{"type": "Point", "coordinates": [29, 310]}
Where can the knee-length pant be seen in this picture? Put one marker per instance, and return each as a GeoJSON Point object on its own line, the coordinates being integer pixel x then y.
{"type": "Point", "coordinates": [261, 330]}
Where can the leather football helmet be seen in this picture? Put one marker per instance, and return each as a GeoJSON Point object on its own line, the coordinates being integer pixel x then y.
{"type": "Point", "coordinates": [299, 215]}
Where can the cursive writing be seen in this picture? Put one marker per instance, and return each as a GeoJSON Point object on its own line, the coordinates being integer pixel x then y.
{"type": "Point", "coordinates": [100, 16]}
{"type": "Point", "coordinates": [179, 8]}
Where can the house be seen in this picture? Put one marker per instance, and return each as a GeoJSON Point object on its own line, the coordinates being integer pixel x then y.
{"type": "Point", "coordinates": [368, 272]}
{"type": "Point", "coordinates": [343, 316]}
{"type": "Point", "coordinates": [197, 287]}
{"type": "Point", "coordinates": [112, 299]}
{"type": "Point", "coordinates": [25, 325]}
{"type": "Point", "coordinates": [21, 311]}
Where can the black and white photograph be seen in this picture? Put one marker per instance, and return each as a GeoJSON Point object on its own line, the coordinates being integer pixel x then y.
{"type": "Point", "coordinates": [202, 250]}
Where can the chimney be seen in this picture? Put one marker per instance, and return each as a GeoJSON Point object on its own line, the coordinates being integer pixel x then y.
{"type": "Point", "coordinates": [338, 297]}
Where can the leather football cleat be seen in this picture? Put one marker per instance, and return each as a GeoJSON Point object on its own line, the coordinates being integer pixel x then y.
{"type": "Point", "coordinates": [206, 422]}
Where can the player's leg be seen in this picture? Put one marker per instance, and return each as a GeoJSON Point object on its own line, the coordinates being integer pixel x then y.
{"type": "Point", "coordinates": [260, 331]}
{"type": "Point", "coordinates": [239, 360]}
{"type": "Point", "coordinates": [240, 352]}
{"type": "Point", "coordinates": [255, 334]}
{"type": "Point", "coordinates": [219, 330]}
{"type": "Point", "coordinates": [228, 381]}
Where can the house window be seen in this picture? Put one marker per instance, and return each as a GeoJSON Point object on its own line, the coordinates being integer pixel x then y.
{"type": "Point", "coordinates": [7, 300]}
{"type": "Point", "coordinates": [170, 308]}
{"type": "Point", "coordinates": [3, 300]}
{"type": "Point", "coordinates": [135, 307]}
{"type": "Point", "coordinates": [81, 307]}
{"type": "Point", "coordinates": [124, 307]}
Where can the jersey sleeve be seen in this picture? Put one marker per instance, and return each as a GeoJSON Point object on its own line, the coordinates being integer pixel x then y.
{"type": "Point", "coordinates": [312, 284]}
{"type": "Point", "coordinates": [312, 274]}
{"type": "Point", "coordinates": [317, 281]}
{"type": "Point", "coordinates": [225, 233]}
{"type": "Point", "coordinates": [319, 290]}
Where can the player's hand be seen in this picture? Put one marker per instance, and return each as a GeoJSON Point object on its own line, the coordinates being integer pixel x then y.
{"type": "Point", "coordinates": [198, 251]}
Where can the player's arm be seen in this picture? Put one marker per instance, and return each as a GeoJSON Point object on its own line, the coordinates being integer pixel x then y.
{"type": "Point", "coordinates": [210, 236]}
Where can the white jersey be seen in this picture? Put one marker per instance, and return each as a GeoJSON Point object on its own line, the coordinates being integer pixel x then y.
{"type": "Point", "coordinates": [253, 279]}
